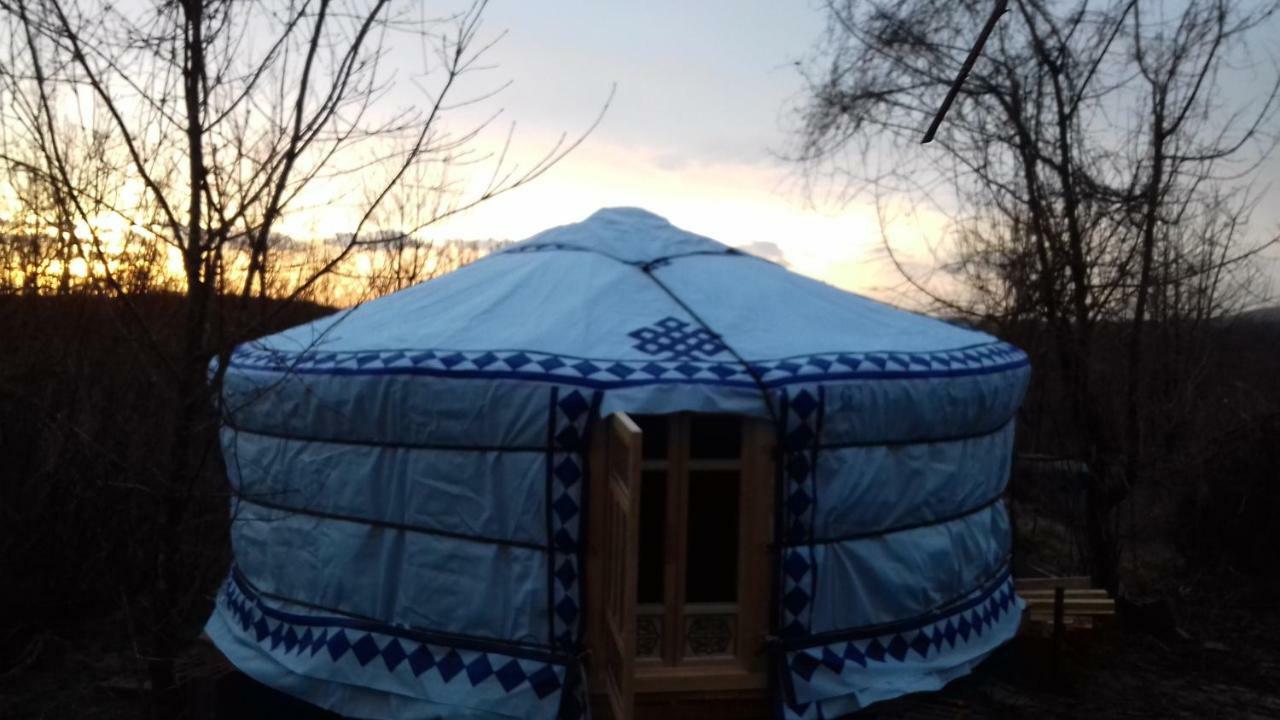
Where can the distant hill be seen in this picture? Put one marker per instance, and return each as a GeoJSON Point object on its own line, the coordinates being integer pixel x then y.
{"type": "Point", "coordinates": [1268, 315]}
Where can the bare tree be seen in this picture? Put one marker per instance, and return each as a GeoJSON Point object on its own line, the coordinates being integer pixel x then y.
{"type": "Point", "coordinates": [189, 133]}
{"type": "Point", "coordinates": [1095, 173]}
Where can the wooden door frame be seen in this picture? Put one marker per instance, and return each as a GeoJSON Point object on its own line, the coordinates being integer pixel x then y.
{"type": "Point", "coordinates": [746, 671]}
{"type": "Point", "coordinates": [621, 490]}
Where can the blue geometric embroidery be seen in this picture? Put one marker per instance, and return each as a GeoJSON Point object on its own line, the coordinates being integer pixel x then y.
{"type": "Point", "coordinates": [308, 637]}
{"type": "Point", "coordinates": [609, 373]}
{"type": "Point", "coordinates": [801, 418]}
{"type": "Point", "coordinates": [570, 416]}
{"type": "Point", "coordinates": [935, 636]}
{"type": "Point", "coordinates": [674, 339]}
{"type": "Point", "coordinates": [800, 711]}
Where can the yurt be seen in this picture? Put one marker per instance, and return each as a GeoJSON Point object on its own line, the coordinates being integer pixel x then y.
{"type": "Point", "coordinates": [616, 462]}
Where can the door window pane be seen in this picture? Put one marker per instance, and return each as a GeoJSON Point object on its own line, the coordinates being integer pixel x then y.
{"type": "Point", "coordinates": [654, 429]}
{"type": "Point", "coordinates": [653, 525]}
{"type": "Point", "coordinates": [712, 567]}
{"type": "Point", "coordinates": [715, 437]}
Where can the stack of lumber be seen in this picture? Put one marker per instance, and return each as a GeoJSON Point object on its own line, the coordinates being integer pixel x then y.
{"type": "Point", "coordinates": [1082, 605]}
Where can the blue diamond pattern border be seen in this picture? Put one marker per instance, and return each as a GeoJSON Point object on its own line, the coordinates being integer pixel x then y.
{"type": "Point", "coordinates": [802, 411]}
{"type": "Point", "coordinates": [606, 373]}
{"type": "Point", "coordinates": [334, 640]}
{"type": "Point", "coordinates": [922, 643]}
{"type": "Point", "coordinates": [571, 414]}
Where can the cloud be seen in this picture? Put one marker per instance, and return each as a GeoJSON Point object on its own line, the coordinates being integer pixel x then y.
{"type": "Point", "coordinates": [766, 250]}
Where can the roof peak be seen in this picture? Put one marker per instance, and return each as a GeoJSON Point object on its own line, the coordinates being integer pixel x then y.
{"type": "Point", "coordinates": [627, 213]}
{"type": "Point", "coordinates": [629, 234]}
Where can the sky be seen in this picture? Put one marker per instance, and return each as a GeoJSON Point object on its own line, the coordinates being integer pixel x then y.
{"type": "Point", "coordinates": [696, 130]}
{"type": "Point", "coordinates": [703, 113]}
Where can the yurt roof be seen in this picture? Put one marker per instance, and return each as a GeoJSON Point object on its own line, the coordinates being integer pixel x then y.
{"type": "Point", "coordinates": [626, 299]}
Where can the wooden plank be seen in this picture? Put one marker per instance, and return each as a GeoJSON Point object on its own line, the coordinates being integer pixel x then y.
{"type": "Point", "coordinates": [730, 464]}
{"type": "Point", "coordinates": [751, 704]}
{"type": "Point", "coordinates": [1070, 621]}
{"type": "Point", "coordinates": [1069, 583]}
{"type": "Point", "coordinates": [621, 555]}
{"type": "Point", "coordinates": [1074, 606]}
{"type": "Point", "coordinates": [1059, 629]}
{"type": "Point", "coordinates": [1082, 602]}
{"type": "Point", "coordinates": [687, 678]}
{"type": "Point", "coordinates": [755, 560]}
{"type": "Point", "coordinates": [1089, 593]}
{"type": "Point", "coordinates": [711, 609]}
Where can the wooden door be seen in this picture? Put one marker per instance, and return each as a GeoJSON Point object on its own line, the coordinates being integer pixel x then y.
{"type": "Point", "coordinates": [621, 534]}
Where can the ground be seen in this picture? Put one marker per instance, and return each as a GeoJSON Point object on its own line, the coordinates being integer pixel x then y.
{"type": "Point", "coordinates": [1118, 674]}
{"type": "Point", "coordinates": [1219, 658]}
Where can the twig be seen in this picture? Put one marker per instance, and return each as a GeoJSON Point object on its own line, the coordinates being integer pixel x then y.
{"type": "Point", "coordinates": [1001, 7]}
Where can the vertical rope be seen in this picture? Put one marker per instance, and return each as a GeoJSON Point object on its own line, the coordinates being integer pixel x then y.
{"type": "Point", "coordinates": [647, 269]}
